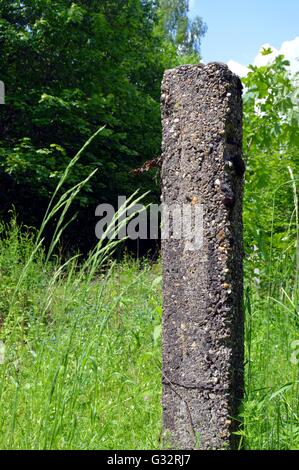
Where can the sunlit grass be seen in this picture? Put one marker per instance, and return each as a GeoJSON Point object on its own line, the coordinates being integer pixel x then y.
{"type": "Point", "coordinates": [82, 366]}
{"type": "Point", "coordinates": [86, 375]}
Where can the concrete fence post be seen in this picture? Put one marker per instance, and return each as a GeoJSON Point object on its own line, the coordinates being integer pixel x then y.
{"type": "Point", "coordinates": [203, 323]}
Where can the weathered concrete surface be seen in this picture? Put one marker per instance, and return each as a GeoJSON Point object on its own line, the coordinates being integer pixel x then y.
{"type": "Point", "coordinates": [202, 310]}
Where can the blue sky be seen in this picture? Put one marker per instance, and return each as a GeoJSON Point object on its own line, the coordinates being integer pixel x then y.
{"type": "Point", "coordinates": [237, 29]}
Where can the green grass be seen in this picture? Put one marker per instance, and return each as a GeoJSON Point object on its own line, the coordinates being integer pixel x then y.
{"type": "Point", "coordinates": [81, 367]}
{"type": "Point", "coordinates": [271, 405]}
{"type": "Point", "coordinates": [82, 361]}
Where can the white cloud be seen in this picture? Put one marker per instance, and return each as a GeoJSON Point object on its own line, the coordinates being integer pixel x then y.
{"type": "Point", "coordinates": [237, 68]}
{"type": "Point", "coordinates": [290, 49]}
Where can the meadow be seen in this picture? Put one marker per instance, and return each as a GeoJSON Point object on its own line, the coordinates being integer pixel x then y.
{"type": "Point", "coordinates": [80, 336]}
{"type": "Point", "coordinates": [82, 359]}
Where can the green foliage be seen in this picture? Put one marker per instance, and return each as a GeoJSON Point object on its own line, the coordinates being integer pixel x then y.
{"type": "Point", "coordinates": [271, 150]}
{"type": "Point", "coordinates": [69, 68]}
{"type": "Point", "coordinates": [182, 32]}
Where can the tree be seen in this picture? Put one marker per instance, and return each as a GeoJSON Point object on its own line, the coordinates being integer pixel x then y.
{"type": "Point", "coordinates": [69, 68]}
{"type": "Point", "coordinates": [180, 30]}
